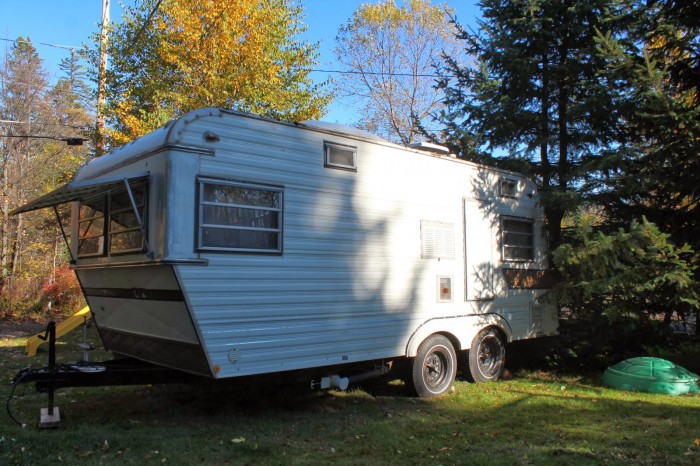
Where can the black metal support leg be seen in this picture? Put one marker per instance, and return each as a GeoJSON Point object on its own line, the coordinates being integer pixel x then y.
{"type": "Point", "coordinates": [50, 416]}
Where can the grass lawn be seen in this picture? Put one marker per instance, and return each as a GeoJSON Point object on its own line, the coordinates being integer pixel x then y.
{"type": "Point", "coordinates": [534, 418]}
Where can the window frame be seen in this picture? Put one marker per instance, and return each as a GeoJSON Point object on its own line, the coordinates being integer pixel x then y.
{"type": "Point", "coordinates": [510, 182]}
{"type": "Point", "coordinates": [107, 233]}
{"type": "Point", "coordinates": [504, 245]}
{"type": "Point", "coordinates": [328, 146]}
{"type": "Point", "coordinates": [200, 225]}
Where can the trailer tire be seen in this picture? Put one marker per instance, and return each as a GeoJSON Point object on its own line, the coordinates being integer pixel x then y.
{"type": "Point", "coordinates": [487, 356]}
{"type": "Point", "coordinates": [434, 368]}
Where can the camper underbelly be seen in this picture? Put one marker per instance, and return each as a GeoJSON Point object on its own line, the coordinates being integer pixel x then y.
{"type": "Point", "coordinates": [141, 312]}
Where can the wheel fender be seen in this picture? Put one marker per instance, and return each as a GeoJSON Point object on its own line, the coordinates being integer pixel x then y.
{"type": "Point", "coordinates": [461, 329]}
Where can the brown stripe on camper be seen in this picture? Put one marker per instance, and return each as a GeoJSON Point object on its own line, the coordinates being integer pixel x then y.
{"type": "Point", "coordinates": [528, 279]}
{"type": "Point", "coordinates": [136, 293]}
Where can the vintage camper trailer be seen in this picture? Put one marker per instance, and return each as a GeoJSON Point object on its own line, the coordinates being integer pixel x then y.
{"type": "Point", "coordinates": [226, 244]}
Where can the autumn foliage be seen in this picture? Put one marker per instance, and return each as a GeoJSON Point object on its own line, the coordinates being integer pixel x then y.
{"type": "Point", "coordinates": [38, 117]}
{"type": "Point", "coordinates": [62, 291]}
{"type": "Point", "coordinates": [197, 53]}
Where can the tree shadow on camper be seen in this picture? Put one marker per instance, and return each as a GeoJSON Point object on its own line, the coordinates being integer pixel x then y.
{"type": "Point", "coordinates": [511, 259]}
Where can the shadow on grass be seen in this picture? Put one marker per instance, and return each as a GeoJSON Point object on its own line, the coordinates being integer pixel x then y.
{"type": "Point", "coordinates": [527, 420]}
{"type": "Point", "coordinates": [535, 418]}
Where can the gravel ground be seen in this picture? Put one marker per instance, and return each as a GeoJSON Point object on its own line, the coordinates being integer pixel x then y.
{"type": "Point", "coordinates": [20, 329]}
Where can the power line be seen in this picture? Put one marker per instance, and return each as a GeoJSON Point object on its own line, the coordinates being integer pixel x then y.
{"type": "Point", "coordinates": [39, 123]}
{"type": "Point", "coordinates": [69, 141]}
{"type": "Point", "coordinates": [143, 26]}
{"type": "Point", "coordinates": [21, 41]}
{"type": "Point", "coordinates": [380, 73]}
{"type": "Point", "coordinates": [313, 70]}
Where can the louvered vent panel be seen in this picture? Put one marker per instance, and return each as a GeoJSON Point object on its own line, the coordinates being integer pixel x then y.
{"type": "Point", "coordinates": [437, 240]}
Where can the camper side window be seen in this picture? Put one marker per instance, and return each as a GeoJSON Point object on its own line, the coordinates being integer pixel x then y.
{"type": "Point", "coordinates": [239, 217]}
{"type": "Point", "coordinates": [108, 225]}
{"type": "Point", "coordinates": [517, 239]}
{"type": "Point", "coordinates": [340, 156]}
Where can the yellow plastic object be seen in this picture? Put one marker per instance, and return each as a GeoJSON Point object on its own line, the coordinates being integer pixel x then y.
{"type": "Point", "coordinates": [62, 328]}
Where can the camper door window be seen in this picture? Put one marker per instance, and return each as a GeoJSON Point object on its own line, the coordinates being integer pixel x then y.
{"type": "Point", "coordinates": [517, 239]}
{"type": "Point", "coordinates": [239, 217]}
{"type": "Point", "coordinates": [121, 232]}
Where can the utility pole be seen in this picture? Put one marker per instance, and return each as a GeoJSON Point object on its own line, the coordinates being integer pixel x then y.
{"type": "Point", "coordinates": [101, 81]}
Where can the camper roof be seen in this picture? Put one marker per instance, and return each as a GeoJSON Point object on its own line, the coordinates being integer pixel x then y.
{"type": "Point", "coordinates": [342, 129]}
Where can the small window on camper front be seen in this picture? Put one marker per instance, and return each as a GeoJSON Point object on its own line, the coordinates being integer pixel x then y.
{"type": "Point", "coordinates": [239, 217]}
{"type": "Point", "coordinates": [340, 156]}
{"type": "Point", "coordinates": [108, 224]}
{"type": "Point", "coordinates": [517, 239]}
{"type": "Point", "coordinates": [507, 187]}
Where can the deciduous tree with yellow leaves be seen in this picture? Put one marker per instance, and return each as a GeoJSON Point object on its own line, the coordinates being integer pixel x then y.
{"type": "Point", "coordinates": [173, 56]}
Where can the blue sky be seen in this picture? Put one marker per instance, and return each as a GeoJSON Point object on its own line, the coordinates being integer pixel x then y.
{"type": "Point", "coordinates": [71, 22]}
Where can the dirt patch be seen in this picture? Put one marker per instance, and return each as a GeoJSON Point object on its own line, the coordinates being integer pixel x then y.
{"type": "Point", "coordinates": [20, 329]}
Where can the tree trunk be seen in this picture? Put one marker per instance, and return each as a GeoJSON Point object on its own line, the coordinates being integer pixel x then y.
{"type": "Point", "coordinates": [17, 247]}
{"type": "Point", "coordinates": [102, 79]}
{"type": "Point", "coordinates": [544, 124]}
{"type": "Point", "coordinates": [5, 225]}
{"type": "Point", "coordinates": [553, 214]}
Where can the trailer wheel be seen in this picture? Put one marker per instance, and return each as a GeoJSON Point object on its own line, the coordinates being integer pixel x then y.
{"type": "Point", "coordinates": [487, 356]}
{"type": "Point", "coordinates": [434, 367]}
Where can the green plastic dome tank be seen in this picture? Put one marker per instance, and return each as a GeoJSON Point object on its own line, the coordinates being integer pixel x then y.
{"type": "Point", "coordinates": [653, 375]}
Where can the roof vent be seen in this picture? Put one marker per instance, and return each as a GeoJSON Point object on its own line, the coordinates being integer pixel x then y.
{"type": "Point", "coordinates": [430, 147]}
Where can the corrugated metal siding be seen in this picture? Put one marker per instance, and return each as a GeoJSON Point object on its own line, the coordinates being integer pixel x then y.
{"type": "Point", "coordinates": [350, 284]}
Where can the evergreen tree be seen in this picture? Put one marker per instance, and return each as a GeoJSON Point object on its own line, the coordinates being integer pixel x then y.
{"type": "Point", "coordinates": [75, 81]}
{"type": "Point", "coordinates": [536, 93]}
{"type": "Point", "coordinates": [636, 272]}
{"type": "Point", "coordinates": [655, 68]}
{"type": "Point", "coordinates": [72, 104]}
{"type": "Point", "coordinates": [621, 291]}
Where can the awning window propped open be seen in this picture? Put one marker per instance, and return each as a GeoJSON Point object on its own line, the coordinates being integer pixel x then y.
{"type": "Point", "coordinates": [78, 190]}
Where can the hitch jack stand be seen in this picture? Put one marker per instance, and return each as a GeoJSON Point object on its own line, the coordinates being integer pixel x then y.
{"type": "Point", "coordinates": [50, 417]}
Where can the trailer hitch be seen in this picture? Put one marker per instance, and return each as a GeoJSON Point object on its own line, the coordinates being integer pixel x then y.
{"type": "Point", "coordinates": [48, 379]}
{"type": "Point", "coordinates": [122, 371]}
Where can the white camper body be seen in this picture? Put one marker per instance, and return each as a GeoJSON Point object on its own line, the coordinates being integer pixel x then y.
{"type": "Point", "coordinates": [225, 244]}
